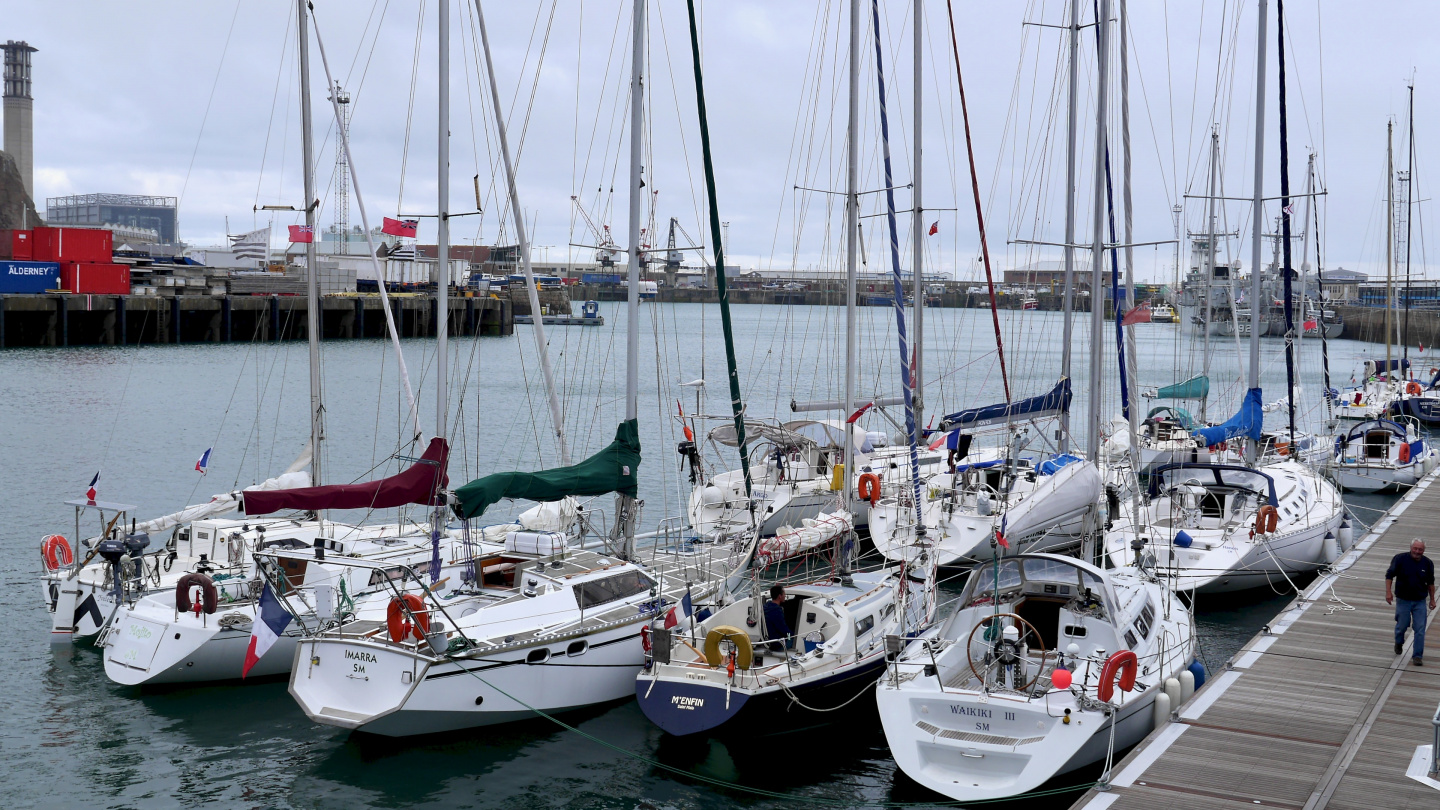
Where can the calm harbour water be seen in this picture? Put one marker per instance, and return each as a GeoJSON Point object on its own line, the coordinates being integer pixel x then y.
{"type": "Point", "coordinates": [142, 415]}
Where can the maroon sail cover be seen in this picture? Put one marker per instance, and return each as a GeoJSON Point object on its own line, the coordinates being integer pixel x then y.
{"type": "Point", "coordinates": [418, 484]}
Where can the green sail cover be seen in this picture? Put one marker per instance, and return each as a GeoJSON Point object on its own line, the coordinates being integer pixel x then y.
{"type": "Point", "coordinates": [1193, 388]}
{"type": "Point", "coordinates": [613, 469]}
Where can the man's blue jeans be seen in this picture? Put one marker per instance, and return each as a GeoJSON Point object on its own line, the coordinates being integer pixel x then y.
{"type": "Point", "coordinates": [1410, 612]}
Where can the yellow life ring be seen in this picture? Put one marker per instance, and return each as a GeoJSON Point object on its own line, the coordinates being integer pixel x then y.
{"type": "Point", "coordinates": [744, 651]}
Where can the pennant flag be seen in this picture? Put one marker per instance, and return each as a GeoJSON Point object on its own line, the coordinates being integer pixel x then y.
{"type": "Point", "coordinates": [252, 246]}
{"type": "Point", "coordinates": [680, 612]}
{"type": "Point", "coordinates": [90, 493]}
{"type": "Point", "coordinates": [203, 465]}
{"type": "Point", "coordinates": [271, 621]}
{"type": "Point", "coordinates": [935, 227]}
{"type": "Point", "coordinates": [302, 233]}
{"type": "Point", "coordinates": [1140, 314]}
{"type": "Point", "coordinates": [400, 227]}
{"type": "Point", "coordinates": [1310, 326]}
{"type": "Point", "coordinates": [1422, 348]}
{"type": "Point", "coordinates": [1290, 210]}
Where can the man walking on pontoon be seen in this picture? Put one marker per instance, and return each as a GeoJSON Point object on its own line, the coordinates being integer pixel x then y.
{"type": "Point", "coordinates": [1409, 582]}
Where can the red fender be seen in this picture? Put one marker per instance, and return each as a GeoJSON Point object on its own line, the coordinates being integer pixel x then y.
{"type": "Point", "coordinates": [399, 625]}
{"type": "Point", "coordinates": [645, 638]}
{"type": "Point", "coordinates": [1124, 664]}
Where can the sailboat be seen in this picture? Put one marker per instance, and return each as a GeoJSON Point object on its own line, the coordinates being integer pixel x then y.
{"type": "Point", "coordinates": [176, 636]}
{"type": "Point", "coordinates": [1218, 526]}
{"type": "Point", "coordinates": [543, 624]}
{"type": "Point", "coordinates": [839, 625]}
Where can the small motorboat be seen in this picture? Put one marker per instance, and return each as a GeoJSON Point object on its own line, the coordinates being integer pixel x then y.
{"type": "Point", "coordinates": [1381, 455]}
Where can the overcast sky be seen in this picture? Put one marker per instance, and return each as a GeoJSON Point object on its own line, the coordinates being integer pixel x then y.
{"type": "Point", "coordinates": [198, 101]}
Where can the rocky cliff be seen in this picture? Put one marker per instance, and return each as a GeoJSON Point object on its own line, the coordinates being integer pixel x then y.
{"type": "Point", "coordinates": [17, 210]}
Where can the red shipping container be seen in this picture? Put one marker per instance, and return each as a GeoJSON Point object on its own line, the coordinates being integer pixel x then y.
{"type": "Point", "coordinates": [15, 244]}
{"type": "Point", "coordinates": [73, 245]}
{"type": "Point", "coordinates": [88, 278]}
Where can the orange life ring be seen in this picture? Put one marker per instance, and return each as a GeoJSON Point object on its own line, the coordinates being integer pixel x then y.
{"type": "Point", "coordinates": [209, 598]}
{"type": "Point", "coordinates": [399, 624]}
{"type": "Point", "coordinates": [869, 488]}
{"type": "Point", "coordinates": [55, 550]}
{"type": "Point", "coordinates": [1404, 455]}
{"type": "Point", "coordinates": [1124, 664]}
{"type": "Point", "coordinates": [1412, 388]}
{"type": "Point", "coordinates": [1266, 519]}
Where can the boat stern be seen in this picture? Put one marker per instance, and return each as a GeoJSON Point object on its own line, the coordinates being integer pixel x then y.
{"type": "Point", "coordinates": [349, 683]}
{"type": "Point", "coordinates": [683, 707]}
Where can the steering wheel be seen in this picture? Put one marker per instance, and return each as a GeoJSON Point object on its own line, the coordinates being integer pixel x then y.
{"type": "Point", "coordinates": [1029, 629]}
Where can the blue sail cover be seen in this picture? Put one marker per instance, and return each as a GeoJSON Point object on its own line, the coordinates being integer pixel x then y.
{"type": "Point", "coordinates": [1247, 422]}
{"type": "Point", "coordinates": [1398, 364]}
{"type": "Point", "coordinates": [1052, 404]}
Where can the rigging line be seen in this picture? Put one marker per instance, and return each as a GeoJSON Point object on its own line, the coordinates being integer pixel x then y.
{"type": "Point", "coordinates": [274, 100]}
{"type": "Point", "coordinates": [206, 116]}
{"type": "Point", "coordinates": [979, 212]}
{"type": "Point", "coordinates": [410, 105]}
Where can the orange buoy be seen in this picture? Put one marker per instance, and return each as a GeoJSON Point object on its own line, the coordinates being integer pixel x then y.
{"type": "Point", "coordinates": [55, 550]}
{"type": "Point", "coordinates": [399, 624]}
{"type": "Point", "coordinates": [869, 488]}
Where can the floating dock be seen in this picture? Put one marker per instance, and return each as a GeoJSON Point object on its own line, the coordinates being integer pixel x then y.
{"type": "Point", "coordinates": [127, 320]}
{"type": "Point", "coordinates": [1314, 712]}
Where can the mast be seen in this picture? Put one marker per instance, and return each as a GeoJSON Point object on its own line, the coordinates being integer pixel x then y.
{"type": "Point", "coordinates": [1097, 252]}
{"type": "Point", "coordinates": [312, 282]}
{"type": "Point", "coordinates": [1314, 219]}
{"type": "Point", "coordinates": [1071, 124]}
{"type": "Point", "coordinates": [852, 231]}
{"type": "Point", "coordinates": [1409, 214]}
{"type": "Point", "coordinates": [918, 225]}
{"type": "Point", "coordinates": [1285, 226]}
{"type": "Point", "coordinates": [442, 236]}
{"type": "Point", "coordinates": [1257, 227]}
{"type": "Point", "coordinates": [1210, 261]}
{"type": "Point", "coordinates": [625, 507]}
{"type": "Point", "coordinates": [1389, 241]}
{"type": "Point", "coordinates": [1131, 368]}
{"type": "Point", "coordinates": [557, 416]}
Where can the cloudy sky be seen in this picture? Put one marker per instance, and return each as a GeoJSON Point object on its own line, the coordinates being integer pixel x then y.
{"type": "Point", "coordinates": [198, 100]}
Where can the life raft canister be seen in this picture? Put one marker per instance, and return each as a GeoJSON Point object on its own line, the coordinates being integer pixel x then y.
{"type": "Point", "coordinates": [1123, 663]}
{"type": "Point", "coordinates": [209, 598]}
{"type": "Point", "coordinates": [399, 624]}
{"type": "Point", "coordinates": [868, 488]}
{"type": "Point", "coordinates": [55, 550]}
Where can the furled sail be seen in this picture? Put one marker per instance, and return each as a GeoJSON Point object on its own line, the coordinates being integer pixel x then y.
{"type": "Point", "coordinates": [294, 477]}
{"type": "Point", "coordinates": [613, 469]}
{"type": "Point", "coordinates": [1056, 402]}
{"type": "Point", "coordinates": [420, 484]}
{"type": "Point", "coordinates": [1246, 422]}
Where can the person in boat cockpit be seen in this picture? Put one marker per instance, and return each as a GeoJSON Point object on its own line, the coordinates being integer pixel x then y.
{"type": "Point", "coordinates": [777, 630]}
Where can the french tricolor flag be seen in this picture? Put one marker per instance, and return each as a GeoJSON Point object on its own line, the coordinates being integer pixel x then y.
{"type": "Point", "coordinates": [90, 493]}
{"type": "Point", "coordinates": [203, 465]}
{"type": "Point", "coordinates": [271, 622]}
{"type": "Point", "coordinates": [680, 612]}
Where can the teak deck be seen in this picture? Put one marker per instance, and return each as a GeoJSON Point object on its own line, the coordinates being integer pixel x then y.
{"type": "Point", "coordinates": [1314, 712]}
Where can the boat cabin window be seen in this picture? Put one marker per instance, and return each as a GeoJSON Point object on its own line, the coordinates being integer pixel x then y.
{"type": "Point", "coordinates": [864, 626]}
{"type": "Point", "coordinates": [612, 589]}
{"type": "Point", "coordinates": [1212, 504]}
{"type": "Point", "coordinates": [397, 573]}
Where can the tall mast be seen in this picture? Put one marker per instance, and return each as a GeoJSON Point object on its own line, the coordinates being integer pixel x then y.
{"type": "Point", "coordinates": [852, 230]}
{"type": "Point", "coordinates": [442, 236]}
{"type": "Point", "coordinates": [1284, 234]}
{"type": "Point", "coordinates": [1389, 241]}
{"type": "Point", "coordinates": [1097, 251]}
{"type": "Point", "coordinates": [1131, 369]}
{"type": "Point", "coordinates": [312, 283]}
{"type": "Point", "coordinates": [1257, 227]}
{"type": "Point", "coordinates": [557, 416]}
{"type": "Point", "coordinates": [1409, 214]}
{"type": "Point", "coordinates": [1071, 123]}
{"type": "Point", "coordinates": [1210, 260]}
{"type": "Point", "coordinates": [637, 122]}
{"type": "Point", "coordinates": [918, 226]}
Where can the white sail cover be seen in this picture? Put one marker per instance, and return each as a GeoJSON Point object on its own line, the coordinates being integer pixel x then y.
{"type": "Point", "coordinates": [295, 476]}
{"type": "Point", "coordinates": [1070, 490]}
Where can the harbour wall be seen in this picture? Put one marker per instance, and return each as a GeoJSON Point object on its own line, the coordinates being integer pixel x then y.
{"type": "Point", "coordinates": [1368, 324]}
{"type": "Point", "coordinates": [121, 320]}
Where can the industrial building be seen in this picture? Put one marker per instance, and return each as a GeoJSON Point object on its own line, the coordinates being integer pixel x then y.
{"type": "Point", "coordinates": [159, 214]}
{"type": "Point", "coordinates": [20, 111]}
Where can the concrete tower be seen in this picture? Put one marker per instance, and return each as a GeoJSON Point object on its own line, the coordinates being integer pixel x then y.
{"type": "Point", "coordinates": [20, 111]}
